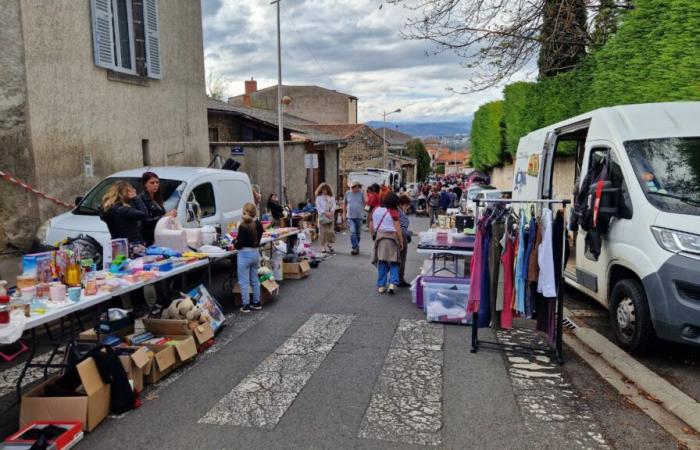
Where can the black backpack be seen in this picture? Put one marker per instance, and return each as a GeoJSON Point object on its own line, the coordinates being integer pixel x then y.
{"type": "Point", "coordinates": [90, 248]}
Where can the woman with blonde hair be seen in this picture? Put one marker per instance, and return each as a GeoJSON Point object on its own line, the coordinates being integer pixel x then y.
{"type": "Point", "coordinates": [250, 232]}
{"type": "Point", "coordinates": [123, 212]}
{"type": "Point", "coordinates": [325, 207]}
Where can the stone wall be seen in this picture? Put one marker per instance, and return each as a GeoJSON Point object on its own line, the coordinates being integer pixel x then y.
{"type": "Point", "coordinates": [563, 183]}
{"type": "Point", "coordinates": [224, 123]}
{"type": "Point", "coordinates": [260, 160]}
{"type": "Point", "coordinates": [19, 213]}
{"type": "Point", "coordinates": [362, 149]}
{"type": "Point", "coordinates": [78, 110]}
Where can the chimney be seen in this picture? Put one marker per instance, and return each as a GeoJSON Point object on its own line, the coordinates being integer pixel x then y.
{"type": "Point", "coordinates": [250, 87]}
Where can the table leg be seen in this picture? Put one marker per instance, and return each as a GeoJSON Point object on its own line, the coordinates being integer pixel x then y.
{"type": "Point", "coordinates": [32, 352]}
{"type": "Point", "coordinates": [475, 332]}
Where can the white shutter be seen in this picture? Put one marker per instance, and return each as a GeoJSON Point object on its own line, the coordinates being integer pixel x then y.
{"type": "Point", "coordinates": [152, 27]}
{"type": "Point", "coordinates": [102, 33]}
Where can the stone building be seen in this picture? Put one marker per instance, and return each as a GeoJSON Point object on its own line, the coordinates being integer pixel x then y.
{"type": "Point", "coordinates": [396, 140]}
{"type": "Point", "coordinates": [364, 150]}
{"type": "Point", "coordinates": [249, 136]}
{"type": "Point", "coordinates": [75, 106]}
{"type": "Point", "coordinates": [313, 103]}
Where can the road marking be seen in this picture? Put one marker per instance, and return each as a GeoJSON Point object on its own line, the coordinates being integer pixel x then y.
{"type": "Point", "coordinates": [406, 403]}
{"type": "Point", "coordinates": [546, 397]}
{"type": "Point", "coordinates": [262, 398]}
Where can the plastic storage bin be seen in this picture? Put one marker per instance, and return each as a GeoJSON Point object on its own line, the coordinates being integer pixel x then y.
{"type": "Point", "coordinates": [445, 299]}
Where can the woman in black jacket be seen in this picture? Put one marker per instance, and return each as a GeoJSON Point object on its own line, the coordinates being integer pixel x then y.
{"type": "Point", "coordinates": [123, 212]}
{"type": "Point", "coordinates": [277, 210]}
{"type": "Point", "coordinates": [153, 199]}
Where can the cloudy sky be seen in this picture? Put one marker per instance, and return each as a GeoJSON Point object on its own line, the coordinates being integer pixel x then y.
{"type": "Point", "coordinates": [353, 46]}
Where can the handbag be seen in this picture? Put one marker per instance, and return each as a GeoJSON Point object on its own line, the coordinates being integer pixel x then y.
{"type": "Point", "coordinates": [324, 219]}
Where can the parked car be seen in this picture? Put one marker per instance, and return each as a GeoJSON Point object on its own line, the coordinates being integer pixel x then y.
{"type": "Point", "coordinates": [379, 176]}
{"type": "Point", "coordinates": [489, 194]}
{"type": "Point", "coordinates": [648, 270]}
{"type": "Point", "coordinates": [218, 194]}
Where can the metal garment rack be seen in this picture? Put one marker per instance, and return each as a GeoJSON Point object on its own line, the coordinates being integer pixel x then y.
{"type": "Point", "coordinates": [525, 349]}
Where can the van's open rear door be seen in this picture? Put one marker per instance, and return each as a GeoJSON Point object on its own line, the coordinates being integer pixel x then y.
{"type": "Point", "coordinates": [547, 165]}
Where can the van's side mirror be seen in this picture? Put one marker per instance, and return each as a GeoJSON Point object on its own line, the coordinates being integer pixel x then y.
{"type": "Point", "coordinates": [78, 200]}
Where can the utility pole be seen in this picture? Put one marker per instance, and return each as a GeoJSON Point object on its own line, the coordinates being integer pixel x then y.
{"type": "Point", "coordinates": [384, 136]}
{"type": "Point", "coordinates": [280, 125]}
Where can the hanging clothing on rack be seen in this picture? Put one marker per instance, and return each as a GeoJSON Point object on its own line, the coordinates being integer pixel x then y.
{"type": "Point", "coordinates": [531, 239]}
{"type": "Point", "coordinates": [519, 260]}
{"type": "Point", "coordinates": [496, 275]}
{"type": "Point", "coordinates": [546, 283]}
{"type": "Point", "coordinates": [485, 296]}
{"type": "Point", "coordinates": [475, 272]}
{"type": "Point", "coordinates": [508, 260]}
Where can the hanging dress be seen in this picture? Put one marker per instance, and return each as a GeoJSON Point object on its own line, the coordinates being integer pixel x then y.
{"type": "Point", "coordinates": [508, 260]}
{"type": "Point", "coordinates": [475, 273]}
{"type": "Point", "coordinates": [519, 269]}
{"type": "Point", "coordinates": [485, 296]}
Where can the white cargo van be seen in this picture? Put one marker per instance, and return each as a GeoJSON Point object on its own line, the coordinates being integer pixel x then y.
{"type": "Point", "coordinates": [379, 176]}
{"type": "Point", "coordinates": [219, 194]}
{"type": "Point", "coordinates": [648, 270]}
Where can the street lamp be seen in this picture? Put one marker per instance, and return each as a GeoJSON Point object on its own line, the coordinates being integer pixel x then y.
{"type": "Point", "coordinates": [280, 125]}
{"type": "Point", "coordinates": [384, 136]}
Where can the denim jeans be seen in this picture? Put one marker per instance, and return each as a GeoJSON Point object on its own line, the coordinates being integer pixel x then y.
{"type": "Point", "coordinates": [355, 226]}
{"type": "Point", "coordinates": [385, 268]}
{"type": "Point", "coordinates": [248, 260]}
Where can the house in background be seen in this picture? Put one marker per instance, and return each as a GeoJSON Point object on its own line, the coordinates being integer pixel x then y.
{"type": "Point", "coordinates": [364, 150]}
{"type": "Point", "coordinates": [454, 162]}
{"type": "Point", "coordinates": [250, 136]}
{"type": "Point", "coordinates": [91, 87]}
{"type": "Point", "coordinates": [396, 140]}
{"type": "Point", "coordinates": [313, 103]}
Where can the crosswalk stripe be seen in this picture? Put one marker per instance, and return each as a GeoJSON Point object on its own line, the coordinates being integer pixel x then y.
{"type": "Point", "coordinates": [406, 403]}
{"type": "Point", "coordinates": [263, 397]}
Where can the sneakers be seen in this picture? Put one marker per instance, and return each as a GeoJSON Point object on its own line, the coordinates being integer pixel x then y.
{"type": "Point", "coordinates": [355, 251]}
{"type": "Point", "coordinates": [381, 289]}
{"type": "Point", "coordinates": [256, 306]}
{"type": "Point", "coordinates": [392, 288]}
{"type": "Point", "coordinates": [245, 309]}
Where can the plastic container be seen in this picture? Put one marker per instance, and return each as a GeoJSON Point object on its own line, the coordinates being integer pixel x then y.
{"type": "Point", "coordinates": [445, 299]}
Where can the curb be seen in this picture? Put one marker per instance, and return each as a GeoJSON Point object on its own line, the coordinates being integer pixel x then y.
{"type": "Point", "coordinates": [670, 397]}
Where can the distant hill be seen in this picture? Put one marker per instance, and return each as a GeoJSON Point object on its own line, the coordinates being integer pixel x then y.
{"type": "Point", "coordinates": [425, 129]}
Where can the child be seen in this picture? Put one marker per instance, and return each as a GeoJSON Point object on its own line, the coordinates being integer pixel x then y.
{"type": "Point", "coordinates": [250, 232]}
{"type": "Point", "coordinates": [386, 231]}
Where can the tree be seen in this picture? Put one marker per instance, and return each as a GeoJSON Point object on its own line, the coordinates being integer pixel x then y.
{"type": "Point", "coordinates": [216, 86]}
{"type": "Point", "coordinates": [488, 136]}
{"type": "Point", "coordinates": [416, 149]}
{"type": "Point", "coordinates": [563, 36]}
{"type": "Point", "coordinates": [498, 38]}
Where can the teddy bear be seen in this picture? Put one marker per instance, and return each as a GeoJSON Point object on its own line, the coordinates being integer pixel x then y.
{"type": "Point", "coordinates": [185, 309]}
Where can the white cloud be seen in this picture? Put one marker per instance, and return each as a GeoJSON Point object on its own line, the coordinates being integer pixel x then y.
{"type": "Point", "coordinates": [348, 45]}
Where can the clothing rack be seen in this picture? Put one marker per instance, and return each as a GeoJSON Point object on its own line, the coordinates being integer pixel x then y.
{"type": "Point", "coordinates": [525, 349]}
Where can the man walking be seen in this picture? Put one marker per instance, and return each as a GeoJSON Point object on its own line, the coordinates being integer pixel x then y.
{"type": "Point", "coordinates": [353, 209]}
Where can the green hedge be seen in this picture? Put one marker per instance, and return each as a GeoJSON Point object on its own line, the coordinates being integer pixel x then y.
{"type": "Point", "coordinates": [487, 136]}
{"type": "Point", "coordinates": [654, 57]}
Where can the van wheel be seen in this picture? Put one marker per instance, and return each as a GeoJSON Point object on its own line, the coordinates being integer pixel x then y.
{"type": "Point", "coordinates": [630, 318]}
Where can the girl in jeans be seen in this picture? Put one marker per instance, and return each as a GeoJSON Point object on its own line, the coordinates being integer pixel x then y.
{"type": "Point", "coordinates": [388, 242]}
{"type": "Point", "coordinates": [250, 232]}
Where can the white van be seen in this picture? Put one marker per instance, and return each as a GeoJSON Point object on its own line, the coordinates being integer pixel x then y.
{"type": "Point", "coordinates": [220, 195]}
{"type": "Point", "coordinates": [379, 176]}
{"type": "Point", "coordinates": [648, 271]}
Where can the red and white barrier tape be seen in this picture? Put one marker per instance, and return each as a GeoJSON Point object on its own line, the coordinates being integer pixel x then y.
{"type": "Point", "coordinates": [6, 176]}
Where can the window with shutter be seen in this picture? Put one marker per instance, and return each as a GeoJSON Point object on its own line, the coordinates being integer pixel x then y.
{"type": "Point", "coordinates": [102, 33]}
{"type": "Point", "coordinates": [153, 49]}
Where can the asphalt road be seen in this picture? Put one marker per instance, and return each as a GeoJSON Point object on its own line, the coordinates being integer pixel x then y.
{"type": "Point", "coordinates": [331, 363]}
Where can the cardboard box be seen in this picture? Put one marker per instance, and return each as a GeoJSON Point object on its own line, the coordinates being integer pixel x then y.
{"type": "Point", "coordinates": [134, 365]}
{"type": "Point", "coordinates": [268, 290]}
{"type": "Point", "coordinates": [296, 271]}
{"type": "Point", "coordinates": [173, 327]}
{"type": "Point", "coordinates": [91, 336]}
{"type": "Point", "coordinates": [170, 357]}
{"type": "Point", "coordinates": [90, 406]}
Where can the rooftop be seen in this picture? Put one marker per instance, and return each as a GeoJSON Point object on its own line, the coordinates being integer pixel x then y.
{"type": "Point", "coordinates": [300, 87]}
{"type": "Point", "coordinates": [393, 136]}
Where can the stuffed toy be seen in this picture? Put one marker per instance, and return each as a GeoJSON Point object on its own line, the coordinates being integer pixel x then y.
{"type": "Point", "coordinates": [185, 309]}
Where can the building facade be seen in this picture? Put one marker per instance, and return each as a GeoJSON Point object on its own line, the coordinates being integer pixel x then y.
{"type": "Point", "coordinates": [313, 103]}
{"type": "Point", "coordinates": [75, 107]}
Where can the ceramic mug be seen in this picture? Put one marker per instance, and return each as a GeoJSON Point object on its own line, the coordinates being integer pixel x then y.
{"type": "Point", "coordinates": [74, 293]}
{"type": "Point", "coordinates": [27, 293]}
{"type": "Point", "coordinates": [57, 292]}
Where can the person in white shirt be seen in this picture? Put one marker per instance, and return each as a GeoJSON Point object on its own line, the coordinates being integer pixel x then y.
{"type": "Point", "coordinates": [325, 208]}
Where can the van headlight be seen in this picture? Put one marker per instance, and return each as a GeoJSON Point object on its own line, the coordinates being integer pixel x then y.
{"type": "Point", "coordinates": [677, 241]}
{"type": "Point", "coordinates": [42, 232]}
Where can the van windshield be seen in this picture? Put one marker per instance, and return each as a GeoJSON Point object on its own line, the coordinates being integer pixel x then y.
{"type": "Point", "coordinates": [669, 172]}
{"type": "Point", "coordinates": [90, 205]}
